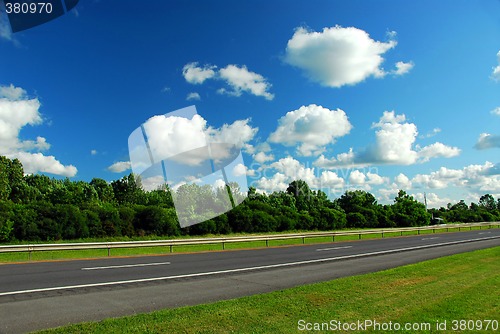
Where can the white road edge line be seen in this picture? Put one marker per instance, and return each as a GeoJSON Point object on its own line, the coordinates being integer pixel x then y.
{"type": "Point", "coordinates": [327, 249]}
{"type": "Point", "coordinates": [484, 233]}
{"type": "Point", "coordinates": [128, 266]}
{"type": "Point", "coordinates": [211, 273]}
{"type": "Point", "coordinates": [433, 238]}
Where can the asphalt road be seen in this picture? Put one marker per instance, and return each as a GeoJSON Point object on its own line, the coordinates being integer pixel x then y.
{"type": "Point", "coordinates": [41, 295]}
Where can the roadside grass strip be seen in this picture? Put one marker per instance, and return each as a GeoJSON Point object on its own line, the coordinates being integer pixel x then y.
{"type": "Point", "coordinates": [441, 291]}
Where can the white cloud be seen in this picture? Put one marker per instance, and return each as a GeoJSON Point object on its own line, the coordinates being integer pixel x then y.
{"type": "Point", "coordinates": [294, 170]}
{"type": "Point", "coordinates": [240, 170]}
{"type": "Point", "coordinates": [433, 200]}
{"type": "Point", "coordinates": [195, 74]}
{"type": "Point", "coordinates": [437, 150]}
{"type": "Point", "coordinates": [150, 183]}
{"type": "Point", "coordinates": [394, 140]}
{"type": "Point", "coordinates": [288, 169]}
{"type": "Point", "coordinates": [394, 144]}
{"type": "Point", "coordinates": [312, 127]}
{"type": "Point", "coordinates": [496, 111]}
{"type": "Point", "coordinates": [184, 140]}
{"type": "Point", "coordinates": [93, 152]}
{"type": "Point", "coordinates": [193, 96]}
{"type": "Point", "coordinates": [403, 68]}
{"type": "Point", "coordinates": [402, 181]}
{"type": "Point", "coordinates": [278, 182]}
{"type": "Point", "coordinates": [240, 79]}
{"type": "Point", "coordinates": [357, 178]}
{"type": "Point", "coordinates": [37, 162]}
{"type": "Point", "coordinates": [331, 180]}
{"type": "Point", "coordinates": [478, 178]}
{"type": "Point", "coordinates": [262, 157]}
{"type": "Point", "coordinates": [120, 166]}
{"type": "Point", "coordinates": [12, 93]}
{"type": "Point", "coordinates": [17, 111]}
{"type": "Point", "coordinates": [487, 140]}
{"type": "Point", "coordinates": [343, 159]}
{"type": "Point", "coordinates": [169, 136]}
{"type": "Point", "coordinates": [238, 133]}
{"type": "Point", "coordinates": [340, 56]}
{"type": "Point", "coordinates": [496, 70]}
{"type": "Point", "coordinates": [219, 183]}
{"type": "Point", "coordinates": [376, 179]}
{"type": "Point", "coordinates": [40, 144]}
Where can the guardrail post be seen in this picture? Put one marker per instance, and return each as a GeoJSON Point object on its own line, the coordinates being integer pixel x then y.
{"type": "Point", "coordinates": [109, 250]}
{"type": "Point", "coordinates": [303, 240]}
{"type": "Point", "coordinates": [418, 232]}
{"type": "Point", "coordinates": [360, 236]}
{"type": "Point", "coordinates": [382, 234]}
{"type": "Point", "coordinates": [171, 248]}
{"type": "Point", "coordinates": [223, 246]}
{"type": "Point", "coordinates": [30, 249]}
{"type": "Point", "coordinates": [333, 238]}
{"type": "Point", "coordinates": [267, 242]}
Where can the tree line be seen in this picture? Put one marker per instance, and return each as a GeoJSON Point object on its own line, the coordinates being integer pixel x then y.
{"type": "Point", "coordinates": [39, 208]}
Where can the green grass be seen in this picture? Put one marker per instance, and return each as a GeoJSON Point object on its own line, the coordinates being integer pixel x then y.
{"type": "Point", "coordinates": [96, 253]}
{"type": "Point", "coordinates": [463, 286]}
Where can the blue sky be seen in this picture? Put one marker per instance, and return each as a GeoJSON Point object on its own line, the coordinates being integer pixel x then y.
{"type": "Point", "coordinates": [374, 95]}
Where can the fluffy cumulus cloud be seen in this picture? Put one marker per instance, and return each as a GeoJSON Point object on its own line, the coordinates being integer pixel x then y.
{"type": "Point", "coordinates": [476, 178]}
{"type": "Point", "coordinates": [437, 150]}
{"type": "Point", "coordinates": [394, 145]}
{"type": "Point", "coordinates": [240, 170]}
{"type": "Point", "coordinates": [311, 127]}
{"type": "Point", "coordinates": [339, 56]}
{"type": "Point", "coordinates": [496, 111]}
{"type": "Point", "coordinates": [193, 96]}
{"type": "Point", "coordinates": [184, 140]}
{"type": "Point", "coordinates": [237, 78]}
{"type": "Point", "coordinates": [240, 79]}
{"type": "Point", "coordinates": [403, 68]}
{"type": "Point", "coordinates": [262, 157]}
{"type": "Point", "coordinates": [280, 173]}
{"type": "Point", "coordinates": [120, 166]}
{"type": "Point", "coordinates": [486, 141]}
{"type": "Point", "coordinates": [195, 74]}
{"type": "Point", "coordinates": [17, 111]}
{"type": "Point", "coordinates": [496, 70]}
{"type": "Point", "coordinates": [402, 181]}
{"type": "Point", "coordinates": [433, 199]}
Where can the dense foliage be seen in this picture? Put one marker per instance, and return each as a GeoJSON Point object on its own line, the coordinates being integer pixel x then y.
{"type": "Point", "coordinates": [39, 208]}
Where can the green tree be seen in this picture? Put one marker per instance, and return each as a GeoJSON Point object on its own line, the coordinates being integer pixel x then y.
{"type": "Point", "coordinates": [409, 212]}
{"type": "Point", "coordinates": [104, 190]}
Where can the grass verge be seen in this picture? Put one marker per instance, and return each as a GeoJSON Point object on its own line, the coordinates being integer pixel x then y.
{"type": "Point", "coordinates": [463, 286]}
{"type": "Point", "coordinates": [97, 253]}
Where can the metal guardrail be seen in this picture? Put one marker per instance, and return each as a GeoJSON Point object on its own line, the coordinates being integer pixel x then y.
{"type": "Point", "coordinates": [29, 248]}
